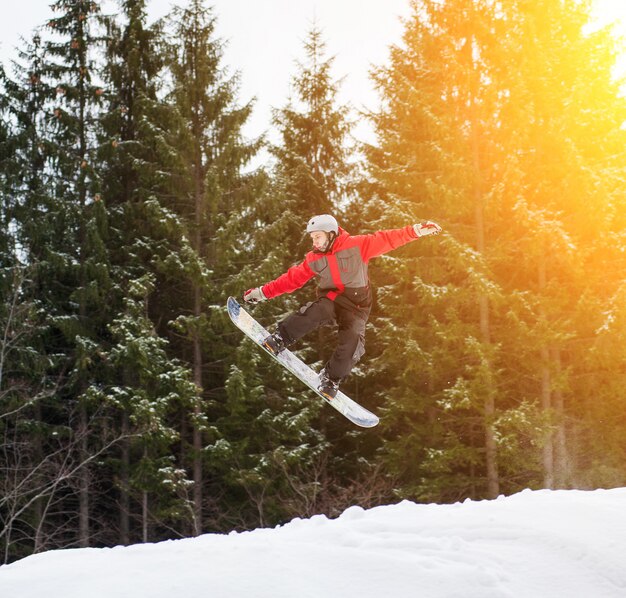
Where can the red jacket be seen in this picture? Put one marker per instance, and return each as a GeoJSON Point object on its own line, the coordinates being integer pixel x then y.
{"type": "Point", "coordinates": [343, 269]}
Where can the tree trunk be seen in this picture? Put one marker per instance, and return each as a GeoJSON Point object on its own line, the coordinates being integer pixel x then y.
{"type": "Point", "coordinates": [197, 433]}
{"type": "Point", "coordinates": [546, 386]}
{"type": "Point", "coordinates": [197, 346]}
{"type": "Point", "coordinates": [38, 506]}
{"type": "Point", "coordinates": [144, 508]}
{"type": "Point", "coordinates": [546, 405]}
{"type": "Point", "coordinates": [489, 407]}
{"type": "Point", "coordinates": [83, 494]}
{"type": "Point", "coordinates": [124, 484]}
{"type": "Point", "coordinates": [561, 460]}
{"type": "Point", "coordinates": [83, 502]}
{"type": "Point", "coordinates": [144, 516]}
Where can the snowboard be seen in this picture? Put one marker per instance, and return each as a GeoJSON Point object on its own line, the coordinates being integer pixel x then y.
{"type": "Point", "coordinates": [342, 403]}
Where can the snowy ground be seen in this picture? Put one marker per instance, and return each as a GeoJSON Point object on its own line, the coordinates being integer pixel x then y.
{"type": "Point", "coordinates": [533, 544]}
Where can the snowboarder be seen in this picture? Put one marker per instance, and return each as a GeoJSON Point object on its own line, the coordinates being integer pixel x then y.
{"type": "Point", "coordinates": [344, 294]}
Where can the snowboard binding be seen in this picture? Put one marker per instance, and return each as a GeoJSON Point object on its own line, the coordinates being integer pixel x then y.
{"type": "Point", "coordinates": [274, 343]}
{"type": "Point", "coordinates": [328, 386]}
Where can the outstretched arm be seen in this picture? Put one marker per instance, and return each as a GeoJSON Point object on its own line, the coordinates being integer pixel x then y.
{"type": "Point", "coordinates": [288, 282]}
{"type": "Point", "coordinates": [384, 241]}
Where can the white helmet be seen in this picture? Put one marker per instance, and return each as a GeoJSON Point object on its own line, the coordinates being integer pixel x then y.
{"type": "Point", "coordinates": [324, 222]}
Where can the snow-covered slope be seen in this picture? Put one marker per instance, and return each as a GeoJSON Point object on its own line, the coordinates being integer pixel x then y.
{"type": "Point", "coordinates": [533, 544]}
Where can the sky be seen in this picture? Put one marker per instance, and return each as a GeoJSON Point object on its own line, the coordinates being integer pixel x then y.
{"type": "Point", "coordinates": [265, 39]}
{"type": "Point", "coordinates": [538, 544]}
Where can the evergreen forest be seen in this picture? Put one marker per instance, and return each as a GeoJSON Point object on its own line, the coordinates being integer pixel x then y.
{"type": "Point", "coordinates": [132, 205]}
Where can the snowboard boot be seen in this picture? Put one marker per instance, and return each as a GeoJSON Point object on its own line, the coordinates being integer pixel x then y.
{"type": "Point", "coordinates": [274, 343]}
{"type": "Point", "coordinates": [327, 385]}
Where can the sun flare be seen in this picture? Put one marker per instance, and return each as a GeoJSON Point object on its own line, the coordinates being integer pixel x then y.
{"type": "Point", "coordinates": [610, 11]}
{"type": "Point", "coordinates": [613, 12]}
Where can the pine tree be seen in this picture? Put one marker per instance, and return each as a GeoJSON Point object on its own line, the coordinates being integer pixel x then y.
{"type": "Point", "coordinates": [76, 182]}
{"type": "Point", "coordinates": [149, 248]}
{"type": "Point", "coordinates": [211, 192]}
{"type": "Point", "coordinates": [313, 158]}
{"type": "Point", "coordinates": [261, 447]}
{"type": "Point", "coordinates": [429, 166]}
{"type": "Point", "coordinates": [29, 163]}
{"type": "Point", "coordinates": [486, 148]}
{"type": "Point", "coordinates": [28, 383]}
{"type": "Point", "coordinates": [572, 173]}
{"type": "Point", "coordinates": [129, 75]}
{"type": "Point", "coordinates": [313, 172]}
{"type": "Point", "coordinates": [73, 274]}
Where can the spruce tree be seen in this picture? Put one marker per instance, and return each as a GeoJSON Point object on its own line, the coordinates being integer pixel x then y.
{"type": "Point", "coordinates": [212, 193]}
{"type": "Point", "coordinates": [261, 447]}
{"type": "Point", "coordinates": [469, 141]}
{"type": "Point", "coordinates": [313, 173]}
{"type": "Point", "coordinates": [73, 279]}
{"type": "Point", "coordinates": [28, 382]}
{"type": "Point", "coordinates": [428, 166]}
{"type": "Point", "coordinates": [60, 238]}
{"type": "Point", "coordinates": [151, 257]}
{"type": "Point", "coordinates": [313, 157]}
{"type": "Point", "coordinates": [572, 173]}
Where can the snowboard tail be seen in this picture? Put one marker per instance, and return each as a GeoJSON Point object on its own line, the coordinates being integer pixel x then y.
{"type": "Point", "coordinates": [342, 403]}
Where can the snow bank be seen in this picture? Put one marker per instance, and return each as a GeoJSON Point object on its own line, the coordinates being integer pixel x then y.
{"type": "Point", "coordinates": [533, 544]}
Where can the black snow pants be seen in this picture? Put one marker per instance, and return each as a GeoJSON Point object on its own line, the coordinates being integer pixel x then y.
{"type": "Point", "coordinates": [351, 345]}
